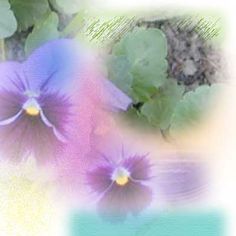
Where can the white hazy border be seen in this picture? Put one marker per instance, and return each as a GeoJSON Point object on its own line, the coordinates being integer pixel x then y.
{"type": "Point", "coordinates": [221, 135]}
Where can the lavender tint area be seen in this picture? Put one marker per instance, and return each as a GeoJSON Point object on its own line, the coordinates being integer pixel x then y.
{"type": "Point", "coordinates": [181, 180]}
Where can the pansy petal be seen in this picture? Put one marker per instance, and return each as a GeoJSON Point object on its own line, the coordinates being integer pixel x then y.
{"type": "Point", "coordinates": [99, 179]}
{"type": "Point", "coordinates": [115, 99]}
{"type": "Point", "coordinates": [50, 125]}
{"type": "Point", "coordinates": [11, 106]}
{"type": "Point", "coordinates": [53, 66]}
{"type": "Point", "coordinates": [11, 77]}
{"type": "Point", "coordinates": [11, 119]}
{"type": "Point", "coordinates": [26, 136]}
{"type": "Point", "coordinates": [120, 200]}
{"type": "Point", "coordinates": [138, 166]}
{"type": "Point", "coordinates": [55, 113]}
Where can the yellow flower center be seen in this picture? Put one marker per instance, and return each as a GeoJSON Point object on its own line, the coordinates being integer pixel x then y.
{"type": "Point", "coordinates": [122, 180]}
{"type": "Point", "coordinates": [32, 111]}
{"type": "Point", "coordinates": [121, 176]}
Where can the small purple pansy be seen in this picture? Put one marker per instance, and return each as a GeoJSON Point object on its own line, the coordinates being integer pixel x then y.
{"type": "Point", "coordinates": [122, 188]}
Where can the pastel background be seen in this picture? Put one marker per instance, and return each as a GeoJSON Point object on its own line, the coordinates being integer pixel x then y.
{"type": "Point", "coordinates": [213, 142]}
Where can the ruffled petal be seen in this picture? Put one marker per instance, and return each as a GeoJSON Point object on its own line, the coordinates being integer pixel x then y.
{"type": "Point", "coordinates": [55, 113]}
{"type": "Point", "coordinates": [11, 77]}
{"type": "Point", "coordinates": [10, 106]}
{"type": "Point", "coordinates": [53, 66]}
{"type": "Point", "coordinates": [27, 136]}
{"type": "Point", "coordinates": [138, 166]}
{"type": "Point", "coordinates": [11, 119]}
{"type": "Point", "coordinates": [22, 134]}
{"type": "Point", "coordinates": [115, 99]}
{"type": "Point", "coordinates": [54, 129]}
{"type": "Point", "coordinates": [120, 200]}
{"type": "Point", "coordinates": [99, 179]}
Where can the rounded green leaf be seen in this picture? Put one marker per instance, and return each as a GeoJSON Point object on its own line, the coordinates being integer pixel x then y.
{"type": "Point", "coordinates": [146, 51]}
{"type": "Point", "coordinates": [67, 6]}
{"type": "Point", "coordinates": [159, 109]}
{"type": "Point", "coordinates": [45, 30]}
{"type": "Point", "coordinates": [28, 12]}
{"type": "Point", "coordinates": [144, 43]}
{"type": "Point", "coordinates": [194, 105]}
{"type": "Point", "coordinates": [8, 24]}
{"type": "Point", "coordinates": [119, 73]}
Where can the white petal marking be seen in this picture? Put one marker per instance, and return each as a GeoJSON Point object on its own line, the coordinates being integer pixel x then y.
{"type": "Point", "coordinates": [49, 124]}
{"type": "Point", "coordinates": [11, 119]}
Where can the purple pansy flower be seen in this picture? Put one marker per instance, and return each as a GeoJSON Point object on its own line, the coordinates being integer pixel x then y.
{"type": "Point", "coordinates": [124, 187]}
{"type": "Point", "coordinates": [36, 104]}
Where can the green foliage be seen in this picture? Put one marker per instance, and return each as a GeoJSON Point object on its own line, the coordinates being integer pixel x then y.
{"type": "Point", "coordinates": [146, 52]}
{"type": "Point", "coordinates": [160, 108]}
{"type": "Point", "coordinates": [8, 24]}
{"type": "Point", "coordinates": [190, 110]}
{"type": "Point", "coordinates": [43, 31]}
{"type": "Point", "coordinates": [75, 25]}
{"type": "Point", "coordinates": [28, 12]}
{"type": "Point", "coordinates": [67, 6]}
{"type": "Point", "coordinates": [138, 66]}
{"type": "Point", "coordinates": [119, 72]}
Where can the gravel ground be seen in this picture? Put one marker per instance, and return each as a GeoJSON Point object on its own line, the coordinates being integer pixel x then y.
{"type": "Point", "coordinates": [14, 46]}
{"type": "Point", "coordinates": [193, 61]}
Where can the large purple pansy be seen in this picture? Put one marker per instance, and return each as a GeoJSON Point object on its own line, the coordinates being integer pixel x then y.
{"type": "Point", "coordinates": [35, 100]}
{"type": "Point", "coordinates": [122, 188]}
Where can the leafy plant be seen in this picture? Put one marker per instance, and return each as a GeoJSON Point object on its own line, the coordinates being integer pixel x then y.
{"type": "Point", "coordinates": [138, 66]}
{"type": "Point", "coordinates": [28, 12]}
{"type": "Point", "coordinates": [37, 22]}
{"type": "Point", "coordinates": [119, 70]}
{"type": "Point", "coordinates": [159, 109]}
{"type": "Point", "coordinates": [68, 6]}
{"type": "Point", "coordinates": [43, 31]}
{"type": "Point", "coordinates": [31, 23]}
{"type": "Point", "coordinates": [8, 22]}
{"type": "Point", "coordinates": [191, 108]}
{"type": "Point", "coordinates": [146, 53]}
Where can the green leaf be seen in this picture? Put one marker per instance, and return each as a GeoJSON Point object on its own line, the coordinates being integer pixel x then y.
{"type": "Point", "coordinates": [45, 30]}
{"type": "Point", "coordinates": [142, 92]}
{"type": "Point", "coordinates": [159, 109]}
{"type": "Point", "coordinates": [28, 12]}
{"type": "Point", "coordinates": [67, 6]}
{"type": "Point", "coordinates": [75, 26]}
{"type": "Point", "coordinates": [191, 109]}
{"type": "Point", "coordinates": [119, 73]}
{"type": "Point", "coordinates": [8, 24]}
{"type": "Point", "coordinates": [146, 50]}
